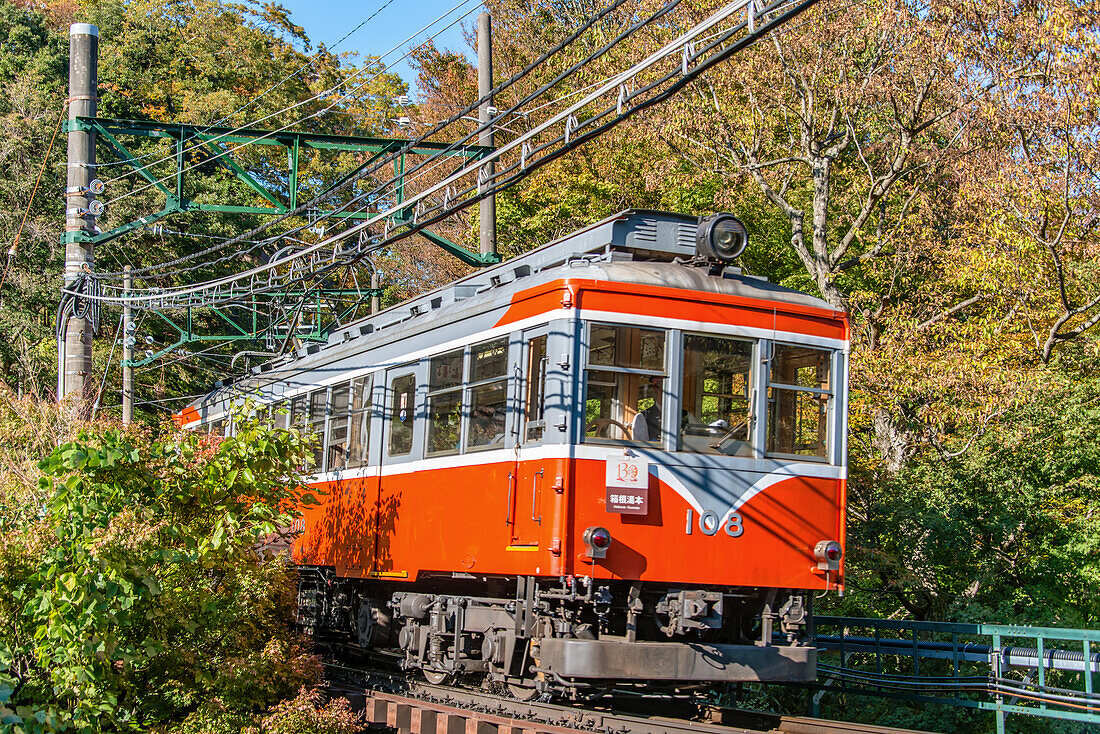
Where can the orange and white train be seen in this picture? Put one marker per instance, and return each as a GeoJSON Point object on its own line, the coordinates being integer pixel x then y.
{"type": "Point", "coordinates": [614, 458]}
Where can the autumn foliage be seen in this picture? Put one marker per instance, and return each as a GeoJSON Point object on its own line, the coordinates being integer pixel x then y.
{"type": "Point", "coordinates": [928, 166]}
{"type": "Point", "coordinates": [134, 593]}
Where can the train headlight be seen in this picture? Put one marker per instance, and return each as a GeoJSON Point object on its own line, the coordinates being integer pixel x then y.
{"type": "Point", "coordinates": [828, 554]}
{"type": "Point", "coordinates": [721, 237]}
{"type": "Point", "coordinates": [597, 540]}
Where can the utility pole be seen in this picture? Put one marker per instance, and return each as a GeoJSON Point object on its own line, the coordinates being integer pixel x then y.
{"type": "Point", "coordinates": [375, 284]}
{"type": "Point", "coordinates": [488, 206]}
{"type": "Point", "coordinates": [128, 338]}
{"type": "Point", "coordinates": [75, 363]}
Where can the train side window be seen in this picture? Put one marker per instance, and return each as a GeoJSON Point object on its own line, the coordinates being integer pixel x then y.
{"type": "Point", "coordinates": [534, 416]}
{"type": "Point", "coordinates": [339, 405]}
{"type": "Point", "coordinates": [298, 411]}
{"type": "Point", "coordinates": [445, 404]}
{"type": "Point", "coordinates": [625, 381]}
{"type": "Point", "coordinates": [318, 407]}
{"type": "Point", "coordinates": [280, 414]}
{"type": "Point", "coordinates": [403, 415]}
{"type": "Point", "coordinates": [359, 421]}
{"type": "Point", "coordinates": [716, 414]}
{"type": "Point", "coordinates": [488, 394]}
{"type": "Point", "coordinates": [799, 389]}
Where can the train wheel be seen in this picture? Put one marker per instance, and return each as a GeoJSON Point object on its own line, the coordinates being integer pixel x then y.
{"type": "Point", "coordinates": [522, 693]}
{"type": "Point", "coordinates": [436, 677]}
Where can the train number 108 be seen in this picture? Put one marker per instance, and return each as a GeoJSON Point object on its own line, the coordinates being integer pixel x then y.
{"type": "Point", "coordinates": [709, 522]}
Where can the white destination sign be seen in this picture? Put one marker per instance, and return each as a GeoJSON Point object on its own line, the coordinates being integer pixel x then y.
{"type": "Point", "coordinates": [627, 472]}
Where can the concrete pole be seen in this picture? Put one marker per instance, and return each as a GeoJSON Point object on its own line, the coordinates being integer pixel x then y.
{"type": "Point", "coordinates": [487, 206]}
{"type": "Point", "coordinates": [375, 284]}
{"type": "Point", "coordinates": [76, 357]}
{"type": "Point", "coordinates": [128, 338]}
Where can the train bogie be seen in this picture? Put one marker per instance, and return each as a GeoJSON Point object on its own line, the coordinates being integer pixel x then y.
{"type": "Point", "coordinates": [604, 460]}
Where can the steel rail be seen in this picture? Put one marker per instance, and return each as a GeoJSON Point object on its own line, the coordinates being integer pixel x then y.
{"type": "Point", "coordinates": [415, 706]}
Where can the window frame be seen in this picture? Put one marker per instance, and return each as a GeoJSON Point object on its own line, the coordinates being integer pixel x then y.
{"type": "Point", "coordinates": [362, 385]}
{"type": "Point", "coordinates": [470, 387]}
{"type": "Point", "coordinates": [460, 389]}
{"type": "Point", "coordinates": [411, 370]}
{"type": "Point", "coordinates": [321, 452]}
{"type": "Point", "coordinates": [757, 368]}
{"type": "Point", "coordinates": [661, 442]}
{"type": "Point", "coordinates": [332, 417]}
{"type": "Point", "coordinates": [830, 402]}
{"type": "Point", "coordinates": [534, 386]}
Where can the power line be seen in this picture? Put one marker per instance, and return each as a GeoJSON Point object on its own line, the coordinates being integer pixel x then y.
{"type": "Point", "coordinates": [45, 160]}
{"type": "Point", "coordinates": [319, 95]}
{"type": "Point", "coordinates": [387, 160]}
{"type": "Point", "coordinates": [253, 100]}
{"type": "Point", "coordinates": [629, 102]}
{"type": "Point", "coordinates": [304, 66]}
{"type": "Point", "coordinates": [107, 367]}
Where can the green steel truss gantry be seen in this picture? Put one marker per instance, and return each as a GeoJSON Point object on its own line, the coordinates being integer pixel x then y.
{"type": "Point", "coordinates": [209, 139]}
{"type": "Point", "coordinates": [270, 319]}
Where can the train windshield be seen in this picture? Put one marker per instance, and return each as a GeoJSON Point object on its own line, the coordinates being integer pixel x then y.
{"type": "Point", "coordinates": [629, 376]}
{"type": "Point", "coordinates": [799, 389]}
{"type": "Point", "coordinates": [716, 397]}
{"type": "Point", "coordinates": [626, 384]}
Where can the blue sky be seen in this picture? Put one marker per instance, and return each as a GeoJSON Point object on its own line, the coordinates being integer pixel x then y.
{"type": "Point", "coordinates": [328, 20]}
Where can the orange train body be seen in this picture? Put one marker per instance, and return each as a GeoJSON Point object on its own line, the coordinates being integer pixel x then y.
{"type": "Point", "coordinates": [502, 480]}
{"type": "Point", "coordinates": [406, 525]}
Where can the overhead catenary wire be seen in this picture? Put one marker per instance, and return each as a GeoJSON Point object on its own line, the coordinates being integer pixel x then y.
{"type": "Point", "coordinates": [666, 51]}
{"type": "Point", "coordinates": [107, 367]}
{"type": "Point", "coordinates": [573, 36]}
{"type": "Point", "coordinates": [657, 56]}
{"type": "Point", "coordinates": [230, 287]}
{"type": "Point", "coordinates": [30, 201]}
{"type": "Point", "coordinates": [644, 104]}
{"type": "Point", "coordinates": [286, 234]}
{"type": "Point", "coordinates": [244, 128]}
{"type": "Point", "coordinates": [304, 66]}
{"type": "Point", "coordinates": [253, 100]}
{"type": "Point", "coordinates": [167, 400]}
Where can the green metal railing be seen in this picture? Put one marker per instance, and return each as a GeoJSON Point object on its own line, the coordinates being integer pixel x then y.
{"type": "Point", "coordinates": [1034, 671]}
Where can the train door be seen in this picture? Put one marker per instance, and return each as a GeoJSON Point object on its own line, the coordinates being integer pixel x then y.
{"type": "Point", "coordinates": [399, 445]}
{"type": "Point", "coordinates": [528, 478]}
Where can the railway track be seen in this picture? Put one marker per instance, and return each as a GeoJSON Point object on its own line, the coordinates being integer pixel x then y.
{"type": "Point", "coordinates": [414, 707]}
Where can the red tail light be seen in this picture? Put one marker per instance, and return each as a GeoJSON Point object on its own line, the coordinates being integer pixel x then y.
{"type": "Point", "coordinates": [828, 554]}
{"type": "Point", "coordinates": [598, 541]}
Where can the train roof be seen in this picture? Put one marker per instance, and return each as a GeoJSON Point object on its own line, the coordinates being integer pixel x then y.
{"type": "Point", "coordinates": [634, 246]}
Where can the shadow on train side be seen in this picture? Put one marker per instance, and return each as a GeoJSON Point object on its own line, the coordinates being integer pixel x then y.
{"type": "Point", "coordinates": [350, 530]}
{"type": "Point", "coordinates": [790, 510]}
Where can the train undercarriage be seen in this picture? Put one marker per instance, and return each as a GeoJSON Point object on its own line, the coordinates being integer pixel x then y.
{"type": "Point", "coordinates": [557, 637]}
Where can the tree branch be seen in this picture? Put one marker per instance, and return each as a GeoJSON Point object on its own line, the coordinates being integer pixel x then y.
{"type": "Point", "coordinates": [951, 311]}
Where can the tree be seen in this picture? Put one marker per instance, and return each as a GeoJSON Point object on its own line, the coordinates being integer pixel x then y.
{"type": "Point", "coordinates": [138, 595]}
{"type": "Point", "coordinates": [194, 61]}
